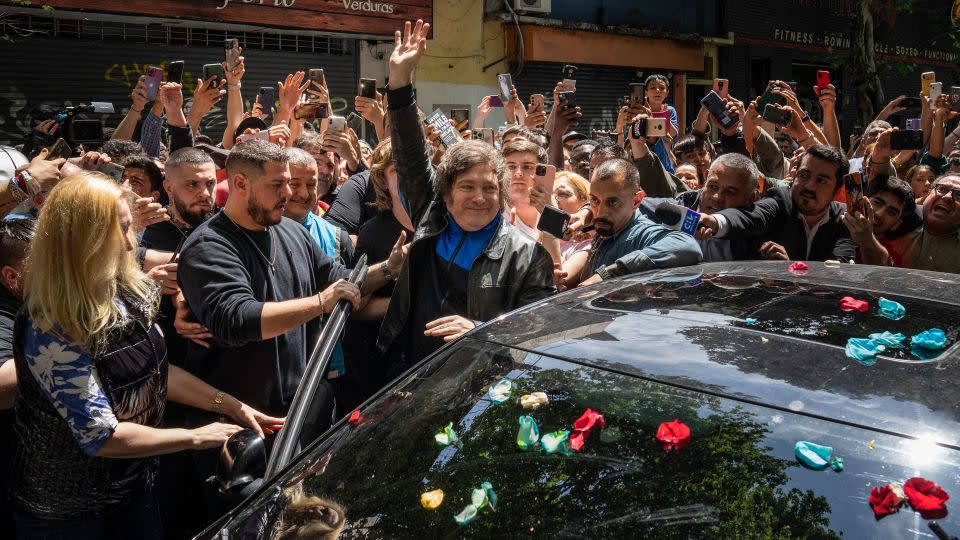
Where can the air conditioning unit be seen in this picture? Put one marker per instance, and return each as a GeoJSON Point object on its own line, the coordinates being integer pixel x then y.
{"type": "Point", "coordinates": [531, 6]}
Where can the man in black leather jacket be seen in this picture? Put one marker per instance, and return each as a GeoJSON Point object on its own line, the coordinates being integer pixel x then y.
{"type": "Point", "coordinates": [467, 263]}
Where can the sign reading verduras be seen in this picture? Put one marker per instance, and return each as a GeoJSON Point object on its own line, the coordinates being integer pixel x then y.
{"type": "Point", "coordinates": [366, 17]}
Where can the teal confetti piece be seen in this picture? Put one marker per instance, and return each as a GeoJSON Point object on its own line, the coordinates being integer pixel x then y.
{"type": "Point", "coordinates": [891, 310]}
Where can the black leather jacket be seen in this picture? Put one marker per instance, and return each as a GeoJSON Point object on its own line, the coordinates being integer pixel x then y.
{"type": "Point", "coordinates": [513, 271]}
{"type": "Point", "coordinates": [53, 478]}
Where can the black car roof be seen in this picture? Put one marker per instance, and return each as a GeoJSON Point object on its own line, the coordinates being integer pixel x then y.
{"type": "Point", "coordinates": [687, 327]}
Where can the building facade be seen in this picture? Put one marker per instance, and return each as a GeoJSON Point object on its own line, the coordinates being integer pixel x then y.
{"type": "Point", "coordinates": [791, 39]}
{"type": "Point", "coordinates": [95, 50]}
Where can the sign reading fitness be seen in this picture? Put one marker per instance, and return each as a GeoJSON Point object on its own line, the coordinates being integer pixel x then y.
{"type": "Point", "coordinates": [365, 17]}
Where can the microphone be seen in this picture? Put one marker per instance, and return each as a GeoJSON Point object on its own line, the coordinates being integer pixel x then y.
{"type": "Point", "coordinates": [678, 217]}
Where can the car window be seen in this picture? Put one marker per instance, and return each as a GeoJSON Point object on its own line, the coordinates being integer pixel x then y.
{"type": "Point", "coordinates": [736, 478]}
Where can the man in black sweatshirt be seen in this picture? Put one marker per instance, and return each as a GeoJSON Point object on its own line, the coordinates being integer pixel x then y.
{"type": "Point", "coordinates": [260, 284]}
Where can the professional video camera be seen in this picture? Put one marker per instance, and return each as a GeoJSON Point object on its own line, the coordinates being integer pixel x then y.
{"type": "Point", "coordinates": [75, 130]}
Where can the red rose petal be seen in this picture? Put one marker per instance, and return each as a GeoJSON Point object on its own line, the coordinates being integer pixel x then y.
{"type": "Point", "coordinates": [355, 418]}
{"type": "Point", "coordinates": [673, 435]}
{"type": "Point", "coordinates": [926, 497]}
{"type": "Point", "coordinates": [884, 501]}
{"type": "Point", "coordinates": [798, 268]}
{"type": "Point", "coordinates": [849, 303]}
{"type": "Point", "coordinates": [583, 426]}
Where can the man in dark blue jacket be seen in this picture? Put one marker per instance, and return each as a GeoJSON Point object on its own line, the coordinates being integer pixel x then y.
{"type": "Point", "coordinates": [799, 223]}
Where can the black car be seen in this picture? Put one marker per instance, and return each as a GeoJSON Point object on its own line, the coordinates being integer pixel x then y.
{"type": "Point", "coordinates": [749, 356]}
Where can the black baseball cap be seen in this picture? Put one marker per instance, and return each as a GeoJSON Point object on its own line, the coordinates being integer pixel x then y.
{"type": "Point", "coordinates": [573, 136]}
{"type": "Point", "coordinates": [250, 122]}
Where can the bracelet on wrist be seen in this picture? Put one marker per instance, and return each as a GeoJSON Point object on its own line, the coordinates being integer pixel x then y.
{"type": "Point", "coordinates": [387, 274]}
{"type": "Point", "coordinates": [218, 401]}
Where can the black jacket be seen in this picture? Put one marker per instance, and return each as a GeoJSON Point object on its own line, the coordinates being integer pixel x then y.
{"type": "Point", "coordinates": [513, 270]}
{"type": "Point", "coordinates": [776, 218]}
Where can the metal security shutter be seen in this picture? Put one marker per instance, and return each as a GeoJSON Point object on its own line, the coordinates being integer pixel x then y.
{"type": "Point", "coordinates": [600, 90]}
{"type": "Point", "coordinates": [58, 71]}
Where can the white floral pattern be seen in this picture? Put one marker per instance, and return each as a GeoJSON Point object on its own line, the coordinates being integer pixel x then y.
{"type": "Point", "coordinates": [69, 378]}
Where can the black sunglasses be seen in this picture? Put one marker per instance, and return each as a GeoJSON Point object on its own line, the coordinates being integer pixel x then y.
{"type": "Point", "coordinates": [943, 191]}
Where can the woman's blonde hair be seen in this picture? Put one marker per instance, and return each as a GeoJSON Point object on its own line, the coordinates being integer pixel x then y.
{"type": "Point", "coordinates": [78, 263]}
{"type": "Point", "coordinates": [580, 184]}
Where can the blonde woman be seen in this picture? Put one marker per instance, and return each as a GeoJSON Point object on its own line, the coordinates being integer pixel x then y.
{"type": "Point", "coordinates": [570, 192]}
{"type": "Point", "coordinates": [94, 378]}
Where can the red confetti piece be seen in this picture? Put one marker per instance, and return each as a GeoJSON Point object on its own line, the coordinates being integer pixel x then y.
{"type": "Point", "coordinates": [583, 426]}
{"type": "Point", "coordinates": [674, 435]}
{"type": "Point", "coordinates": [798, 268]}
{"type": "Point", "coordinates": [926, 497]}
{"type": "Point", "coordinates": [885, 501]}
{"type": "Point", "coordinates": [849, 303]}
{"type": "Point", "coordinates": [355, 418]}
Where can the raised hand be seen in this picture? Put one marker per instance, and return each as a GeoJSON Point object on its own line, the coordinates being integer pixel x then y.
{"type": "Point", "coordinates": [408, 50]}
{"type": "Point", "coordinates": [235, 75]}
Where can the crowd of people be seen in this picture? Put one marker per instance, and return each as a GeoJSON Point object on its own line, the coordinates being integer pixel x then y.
{"type": "Point", "coordinates": [146, 318]}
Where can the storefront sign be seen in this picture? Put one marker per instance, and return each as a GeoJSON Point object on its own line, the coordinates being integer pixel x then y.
{"type": "Point", "coordinates": [366, 17]}
{"type": "Point", "coordinates": [832, 40]}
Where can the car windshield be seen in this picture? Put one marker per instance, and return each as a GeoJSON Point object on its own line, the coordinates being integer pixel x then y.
{"type": "Point", "coordinates": [736, 477]}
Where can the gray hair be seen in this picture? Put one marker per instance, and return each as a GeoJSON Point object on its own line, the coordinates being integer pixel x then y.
{"type": "Point", "coordinates": [300, 157]}
{"type": "Point", "coordinates": [742, 164]}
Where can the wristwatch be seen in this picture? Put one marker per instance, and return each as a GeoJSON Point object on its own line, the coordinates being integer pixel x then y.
{"type": "Point", "coordinates": [805, 117]}
{"type": "Point", "coordinates": [603, 273]}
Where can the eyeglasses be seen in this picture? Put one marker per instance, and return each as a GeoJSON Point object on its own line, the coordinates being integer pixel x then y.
{"type": "Point", "coordinates": [943, 191]}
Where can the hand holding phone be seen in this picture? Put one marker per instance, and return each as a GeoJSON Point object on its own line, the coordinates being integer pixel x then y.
{"type": "Point", "coordinates": [267, 96]}
{"type": "Point", "coordinates": [311, 111]}
{"type": "Point", "coordinates": [554, 221]}
{"type": "Point", "coordinates": [776, 115]}
{"type": "Point", "coordinates": [823, 80]}
{"type": "Point", "coordinates": [853, 184]}
{"type": "Point", "coordinates": [544, 177]}
{"type": "Point", "coordinates": [152, 81]}
{"type": "Point", "coordinates": [367, 88]}
{"type": "Point", "coordinates": [175, 72]}
{"type": "Point", "coordinates": [316, 75]}
{"type": "Point", "coordinates": [215, 71]}
{"type": "Point", "coordinates": [721, 87]}
{"type": "Point", "coordinates": [906, 139]}
{"type": "Point", "coordinates": [231, 53]}
{"type": "Point", "coordinates": [505, 80]}
{"type": "Point", "coordinates": [718, 108]}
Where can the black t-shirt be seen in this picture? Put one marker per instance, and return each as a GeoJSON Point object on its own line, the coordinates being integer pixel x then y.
{"type": "Point", "coordinates": [440, 290]}
{"type": "Point", "coordinates": [9, 305]}
{"type": "Point", "coordinates": [226, 280]}
{"type": "Point", "coordinates": [166, 236]}
{"type": "Point", "coordinates": [163, 236]}
{"type": "Point", "coordinates": [376, 239]}
{"type": "Point", "coordinates": [354, 203]}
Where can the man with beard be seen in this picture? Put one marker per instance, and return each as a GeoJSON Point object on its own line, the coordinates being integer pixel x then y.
{"type": "Point", "coordinates": [798, 223]}
{"type": "Point", "coordinates": [626, 241]}
{"type": "Point", "coordinates": [191, 177]}
{"type": "Point", "coordinates": [260, 284]}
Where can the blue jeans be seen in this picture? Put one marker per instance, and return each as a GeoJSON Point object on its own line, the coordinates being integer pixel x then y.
{"type": "Point", "coordinates": [139, 518]}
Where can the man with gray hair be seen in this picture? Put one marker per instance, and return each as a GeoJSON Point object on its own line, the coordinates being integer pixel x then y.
{"type": "Point", "coordinates": [302, 204]}
{"type": "Point", "coordinates": [733, 181]}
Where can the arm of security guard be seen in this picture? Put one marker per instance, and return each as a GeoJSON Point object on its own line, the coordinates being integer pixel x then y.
{"type": "Point", "coordinates": [658, 247]}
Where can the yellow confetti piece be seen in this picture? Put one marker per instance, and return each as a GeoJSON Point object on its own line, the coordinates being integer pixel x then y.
{"type": "Point", "coordinates": [432, 500]}
{"type": "Point", "coordinates": [873, 445]}
{"type": "Point", "coordinates": [534, 400]}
